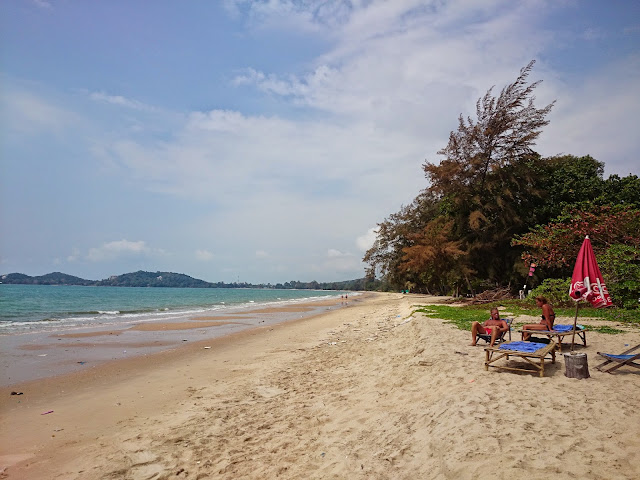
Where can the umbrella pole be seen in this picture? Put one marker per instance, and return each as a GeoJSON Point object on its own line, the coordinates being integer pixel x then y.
{"type": "Point", "coordinates": [575, 321]}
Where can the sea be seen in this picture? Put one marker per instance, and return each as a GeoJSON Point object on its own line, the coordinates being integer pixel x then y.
{"type": "Point", "coordinates": [41, 308]}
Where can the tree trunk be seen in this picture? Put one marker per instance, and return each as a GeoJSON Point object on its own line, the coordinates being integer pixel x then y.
{"type": "Point", "coordinates": [469, 286]}
{"type": "Point", "coordinates": [576, 365]}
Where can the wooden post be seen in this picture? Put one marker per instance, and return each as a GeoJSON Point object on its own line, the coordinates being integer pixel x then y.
{"type": "Point", "coordinates": [576, 365]}
{"type": "Point", "coordinates": [575, 321]}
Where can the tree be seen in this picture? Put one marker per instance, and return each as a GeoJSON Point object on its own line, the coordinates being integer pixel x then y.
{"type": "Point", "coordinates": [487, 181]}
{"type": "Point", "coordinates": [434, 260]}
{"type": "Point", "coordinates": [394, 234]}
{"type": "Point", "coordinates": [567, 181]}
{"type": "Point", "coordinates": [620, 264]}
{"type": "Point", "coordinates": [557, 243]}
{"type": "Point", "coordinates": [615, 235]}
{"type": "Point", "coordinates": [621, 191]}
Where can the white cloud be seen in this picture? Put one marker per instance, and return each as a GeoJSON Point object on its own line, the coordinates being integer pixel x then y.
{"type": "Point", "coordinates": [598, 118]}
{"type": "Point", "coordinates": [365, 242]}
{"type": "Point", "coordinates": [390, 56]}
{"type": "Point", "coordinates": [236, 159]}
{"type": "Point", "coordinates": [75, 255]}
{"type": "Point", "coordinates": [119, 248]}
{"type": "Point", "coordinates": [382, 100]}
{"type": "Point", "coordinates": [43, 4]}
{"type": "Point", "coordinates": [34, 114]}
{"type": "Point", "coordinates": [337, 263]}
{"type": "Point", "coordinates": [279, 14]}
{"type": "Point", "coordinates": [120, 101]}
{"type": "Point", "coordinates": [262, 254]}
{"type": "Point", "coordinates": [204, 255]}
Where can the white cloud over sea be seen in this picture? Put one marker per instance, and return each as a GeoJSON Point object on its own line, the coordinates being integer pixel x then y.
{"type": "Point", "coordinates": [111, 250]}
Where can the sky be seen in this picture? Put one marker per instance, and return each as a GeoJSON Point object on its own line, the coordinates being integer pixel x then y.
{"type": "Point", "coordinates": [262, 141]}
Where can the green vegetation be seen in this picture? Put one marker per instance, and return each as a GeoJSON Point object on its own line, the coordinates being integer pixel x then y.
{"type": "Point", "coordinates": [528, 307]}
{"type": "Point", "coordinates": [621, 263]}
{"type": "Point", "coordinates": [615, 235]}
{"type": "Point", "coordinates": [555, 290]}
{"type": "Point", "coordinates": [620, 315]}
{"type": "Point", "coordinates": [604, 329]}
{"type": "Point", "coordinates": [149, 279]}
{"type": "Point", "coordinates": [493, 206]}
{"type": "Point", "coordinates": [462, 317]}
{"type": "Point", "coordinates": [55, 278]}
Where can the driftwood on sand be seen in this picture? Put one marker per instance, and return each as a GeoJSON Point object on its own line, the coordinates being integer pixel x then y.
{"type": "Point", "coordinates": [501, 293]}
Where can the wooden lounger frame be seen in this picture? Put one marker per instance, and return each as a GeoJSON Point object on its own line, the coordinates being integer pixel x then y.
{"type": "Point", "coordinates": [558, 336]}
{"type": "Point", "coordinates": [530, 357]}
{"type": "Point", "coordinates": [620, 362]}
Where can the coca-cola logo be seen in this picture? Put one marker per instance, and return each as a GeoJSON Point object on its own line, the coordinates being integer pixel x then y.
{"type": "Point", "coordinates": [597, 295]}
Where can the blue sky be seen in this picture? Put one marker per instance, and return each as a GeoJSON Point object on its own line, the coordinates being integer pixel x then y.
{"type": "Point", "coordinates": [262, 141]}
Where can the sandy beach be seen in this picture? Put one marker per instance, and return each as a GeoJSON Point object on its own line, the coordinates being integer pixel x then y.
{"type": "Point", "coordinates": [368, 391]}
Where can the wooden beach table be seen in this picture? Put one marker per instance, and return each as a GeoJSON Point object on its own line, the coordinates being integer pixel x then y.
{"type": "Point", "coordinates": [535, 358]}
{"type": "Point", "coordinates": [557, 337]}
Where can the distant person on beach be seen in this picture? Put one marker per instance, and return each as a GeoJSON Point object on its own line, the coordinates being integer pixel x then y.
{"type": "Point", "coordinates": [548, 317]}
{"type": "Point", "coordinates": [494, 327]}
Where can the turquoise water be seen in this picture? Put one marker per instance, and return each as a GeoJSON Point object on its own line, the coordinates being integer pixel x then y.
{"type": "Point", "coordinates": [27, 308]}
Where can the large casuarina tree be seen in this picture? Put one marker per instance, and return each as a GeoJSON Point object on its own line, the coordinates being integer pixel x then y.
{"type": "Point", "coordinates": [487, 177]}
{"type": "Point", "coordinates": [483, 190]}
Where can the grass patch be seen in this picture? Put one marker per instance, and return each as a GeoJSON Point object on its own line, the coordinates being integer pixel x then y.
{"type": "Point", "coordinates": [463, 317]}
{"type": "Point", "coordinates": [621, 315]}
{"type": "Point", "coordinates": [603, 329]}
{"type": "Point", "coordinates": [612, 314]}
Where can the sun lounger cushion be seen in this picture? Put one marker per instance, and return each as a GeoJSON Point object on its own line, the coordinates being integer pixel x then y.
{"type": "Point", "coordinates": [617, 357]}
{"type": "Point", "coordinates": [527, 347]}
{"type": "Point", "coordinates": [563, 328]}
{"type": "Point", "coordinates": [566, 328]}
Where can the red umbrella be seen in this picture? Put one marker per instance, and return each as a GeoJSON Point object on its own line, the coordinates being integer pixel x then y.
{"type": "Point", "coordinates": [587, 282]}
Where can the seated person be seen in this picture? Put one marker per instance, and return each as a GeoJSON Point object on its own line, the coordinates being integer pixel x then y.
{"type": "Point", "coordinates": [494, 327]}
{"type": "Point", "coordinates": [548, 317]}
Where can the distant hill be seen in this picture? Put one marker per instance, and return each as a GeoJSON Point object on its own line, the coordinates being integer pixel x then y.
{"type": "Point", "coordinates": [175, 280]}
{"type": "Point", "coordinates": [157, 279]}
{"type": "Point", "coordinates": [55, 278]}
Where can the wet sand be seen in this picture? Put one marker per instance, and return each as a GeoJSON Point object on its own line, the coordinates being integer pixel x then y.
{"type": "Point", "coordinates": [87, 347]}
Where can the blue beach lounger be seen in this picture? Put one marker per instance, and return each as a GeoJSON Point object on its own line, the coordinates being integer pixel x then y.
{"type": "Point", "coordinates": [532, 353]}
{"type": "Point", "coordinates": [558, 333]}
{"type": "Point", "coordinates": [625, 358]}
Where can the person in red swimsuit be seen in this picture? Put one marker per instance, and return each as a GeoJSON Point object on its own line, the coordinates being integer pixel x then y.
{"type": "Point", "coordinates": [548, 317]}
{"type": "Point", "coordinates": [494, 327]}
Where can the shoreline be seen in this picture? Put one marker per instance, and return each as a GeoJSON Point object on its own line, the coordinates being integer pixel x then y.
{"type": "Point", "coordinates": [39, 308]}
{"type": "Point", "coordinates": [34, 355]}
{"type": "Point", "coordinates": [367, 391]}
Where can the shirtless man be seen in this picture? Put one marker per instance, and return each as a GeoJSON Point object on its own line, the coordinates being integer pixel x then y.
{"type": "Point", "coordinates": [494, 327]}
